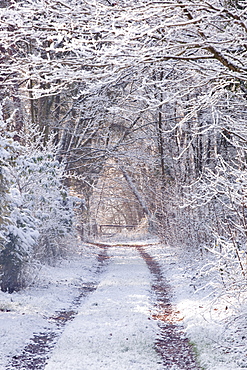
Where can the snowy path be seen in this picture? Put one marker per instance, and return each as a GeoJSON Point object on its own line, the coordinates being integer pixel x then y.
{"type": "Point", "coordinates": [120, 318]}
{"type": "Point", "coordinates": [117, 307]}
{"type": "Point", "coordinates": [113, 329]}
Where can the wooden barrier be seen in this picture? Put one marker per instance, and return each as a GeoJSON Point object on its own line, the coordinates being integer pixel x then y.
{"type": "Point", "coordinates": [110, 226]}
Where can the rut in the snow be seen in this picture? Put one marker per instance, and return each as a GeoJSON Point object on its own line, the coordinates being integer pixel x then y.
{"type": "Point", "coordinates": [171, 344]}
{"type": "Point", "coordinates": [34, 356]}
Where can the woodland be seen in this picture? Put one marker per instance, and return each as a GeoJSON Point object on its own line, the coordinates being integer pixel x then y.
{"type": "Point", "coordinates": [123, 113]}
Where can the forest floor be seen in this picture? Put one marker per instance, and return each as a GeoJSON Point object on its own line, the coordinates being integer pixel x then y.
{"type": "Point", "coordinates": [133, 305]}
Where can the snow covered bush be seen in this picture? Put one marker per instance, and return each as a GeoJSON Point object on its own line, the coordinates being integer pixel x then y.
{"type": "Point", "coordinates": [223, 191]}
{"type": "Point", "coordinates": [17, 230]}
{"type": "Point", "coordinates": [5, 154]}
{"type": "Point", "coordinates": [36, 211]}
{"type": "Point", "coordinates": [38, 186]}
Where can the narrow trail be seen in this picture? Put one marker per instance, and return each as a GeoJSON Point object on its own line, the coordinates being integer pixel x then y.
{"type": "Point", "coordinates": [173, 349]}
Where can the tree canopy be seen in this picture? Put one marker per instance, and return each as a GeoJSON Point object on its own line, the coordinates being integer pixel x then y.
{"type": "Point", "coordinates": [141, 104]}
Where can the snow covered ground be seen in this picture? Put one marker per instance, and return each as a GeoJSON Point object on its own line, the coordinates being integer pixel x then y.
{"type": "Point", "coordinates": [214, 320]}
{"type": "Point", "coordinates": [28, 311]}
{"type": "Point", "coordinates": [112, 329]}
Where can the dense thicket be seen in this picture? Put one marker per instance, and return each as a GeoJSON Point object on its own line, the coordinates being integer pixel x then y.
{"type": "Point", "coordinates": [144, 107]}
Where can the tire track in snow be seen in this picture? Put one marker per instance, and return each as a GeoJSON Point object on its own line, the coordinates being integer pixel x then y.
{"type": "Point", "coordinates": [35, 354]}
{"type": "Point", "coordinates": [171, 344]}
{"type": "Point", "coordinates": [113, 328]}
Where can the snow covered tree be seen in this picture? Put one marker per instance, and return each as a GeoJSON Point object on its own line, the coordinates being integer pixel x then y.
{"type": "Point", "coordinates": [14, 226]}
{"type": "Point", "coordinates": [36, 210]}
{"type": "Point", "coordinates": [102, 78]}
{"type": "Point", "coordinates": [37, 181]}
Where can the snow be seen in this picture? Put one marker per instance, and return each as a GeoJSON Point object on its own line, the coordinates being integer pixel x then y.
{"type": "Point", "coordinates": [26, 312]}
{"type": "Point", "coordinates": [214, 320]}
{"type": "Point", "coordinates": [113, 329]}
